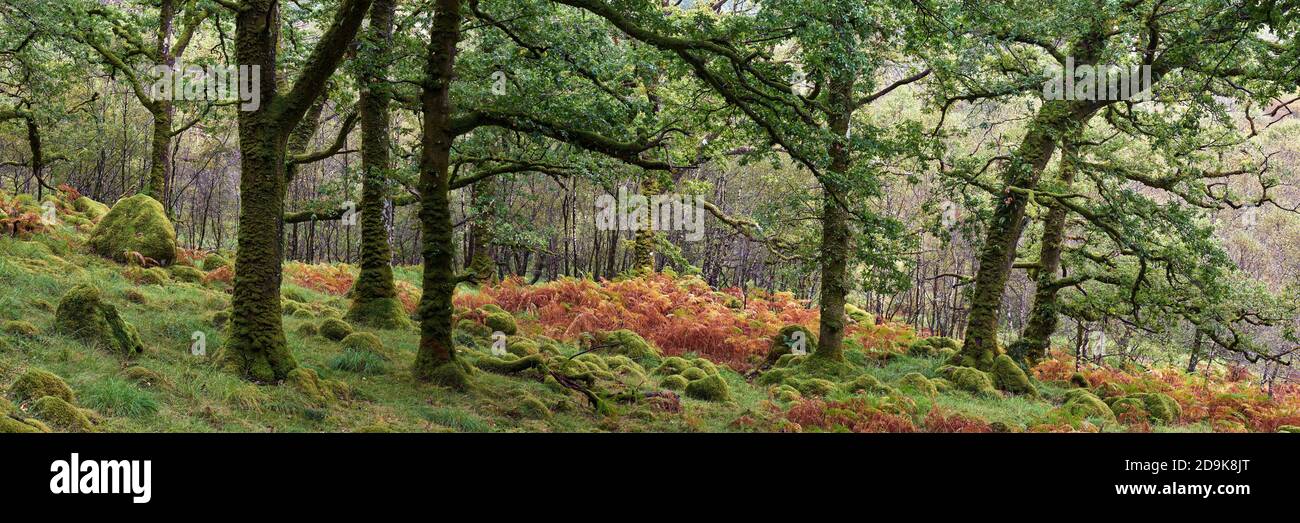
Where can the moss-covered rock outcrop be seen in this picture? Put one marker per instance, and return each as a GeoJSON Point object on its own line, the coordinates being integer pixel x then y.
{"type": "Point", "coordinates": [136, 224]}
{"type": "Point", "coordinates": [62, 415]}
{"type": "Point", "coordinates": [969, 379]}
{"type": "Point", "coordinates": [83, 314]}
{"type": "Point", "coordinates": [1083, 404]}
{"type": "Point", "coordinates": [1008, 376]}
{"type": "Point", "coordinates": [37, 383]}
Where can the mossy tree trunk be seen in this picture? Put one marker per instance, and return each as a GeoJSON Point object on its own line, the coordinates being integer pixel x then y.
{"type": "Point", "coordinates": [256, 347]}
{"type": "Point", "coordinates": [374, 296]}
{"type": "Point", "coordinates": [483, 193]}
{"type": "Point", "coordinates": [643, 247]}
{"type": "Point", "coordinates": [436, 360]}
{"type": "Point", "coordinates": [836, 236]}
{"type": "Point", "coordinates": [1036, 336]}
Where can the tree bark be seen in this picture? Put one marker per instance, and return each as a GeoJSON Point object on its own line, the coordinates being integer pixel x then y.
{"type": "Point", "coordinates": [374, 296]}
{"type": "Point", "coordinates": [835, 223]}
{"type": "Point", "coordinates": [1037, 335]}
{"type": "Point", "coordinates": [256, 348]}
{"type": "Point", "coordinates": [436, 360]}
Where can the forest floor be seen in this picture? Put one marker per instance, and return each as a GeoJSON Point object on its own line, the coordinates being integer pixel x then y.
{"type": "Point", "coordinates": [683, 335]}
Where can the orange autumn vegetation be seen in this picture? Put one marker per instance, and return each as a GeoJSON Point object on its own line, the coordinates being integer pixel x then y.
{"type": "Point", "coordinates": [337, 279]}
{"type": "Point", "coordinates": [1229, 401]}
{"type": "Point", "coordinates": [678, 314]}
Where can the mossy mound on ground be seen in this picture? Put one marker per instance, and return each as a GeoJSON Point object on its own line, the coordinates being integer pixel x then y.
{"type": "Point", "coordinates": [473, 328]}
{"type": "Point", "coordinates": [1080, 381]}
{"type": "Point", "coordinates": [521, 346]}
{"type": "Point", "coordinates": [14, 425]}
{"type": "Point", "coordinates": [712, 388]}
{"type": "Point", "coordinates": [367, 342]}
{"type": "Point", "coordinates": [1127, 405]}
{"type": "Point", "coordinates": [83, 314]}
{"type": "Point", "coordinates": [91, 208]}
{"type": "Point", "coordinates": [214, 262]}
{"type": "Point", "coordinates": [38, 383]}
{"type": "Point", "coordinates": [969, 379]}
{"type": "Point", "coordinates": [812, 386]}
{"type": "Point", "coordinates": [784, 339]}
{"type": "Point", "coordinates": [335, 329]}
{"type": "Point", "coordinates": [932, 346]}
{"type": "Point", "coordinates": [672, 365]}
{"type": "Point", "coordinates": [1084, 404]}
{"type": "Point", "coordinates": [319, 392]}
{"type": "Point", "coordinates": [19, 328]}
{"type": "Point", "coordinates": [629, 344]}
{"type": "Point", "coordinates": [865, 383]}
{"type": "Point", "coordinates": [500, 321]}
{"type": "Point", "coordinates": [150, 276]}
{"type": "Point", "coordinates": [1008, 376]}
{"type": "Point", "coordinates": [674, 382]}
{"type": "Point", "coordinates": [137, 224]}
{"type": "Point", "coordinates": [143, 377]}
{"type": "Point", "coordinates": [1160, 408]}
{"type": "Point", "coordinates": [382, 313]}
{"type": "Point", "coordinates": [187, 274]}
{"type": "Point", "coordinates": [917, 382]}
{"type": "Point", "coordinates": [62, 415]}
{"type": "Point", "coordinates": [532, 408]}
{"type": "Point", "coordinates": [858, 315]}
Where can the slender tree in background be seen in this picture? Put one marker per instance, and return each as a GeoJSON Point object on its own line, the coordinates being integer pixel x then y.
{"type": "Point", "coordinates": [169, 46]}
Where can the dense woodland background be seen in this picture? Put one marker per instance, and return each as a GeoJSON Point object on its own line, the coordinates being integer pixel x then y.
{"type": "Point", "coordinates": [1190, 198]}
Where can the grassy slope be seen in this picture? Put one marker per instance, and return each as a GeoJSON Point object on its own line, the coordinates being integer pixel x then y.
{"type": "Point", "coordinates": [195, 397]}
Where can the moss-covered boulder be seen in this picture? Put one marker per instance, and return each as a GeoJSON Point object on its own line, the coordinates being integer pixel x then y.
{"type": "Point", "coordinates": [137, 224]}
{"type": "Point", "coordinates": [38, 383]}
{"type": "Point", "coordinates": [83, 314]}
{"type": "Point", "coordinates": [969, 379]}
{"type": "Point", "coordinates": [521, 346]}
{"type": "Point", "coordinates": [335, 329]}
{"type": "Point", "coordinates": [917, 382]}
{"type": "Point", "coordinates": [1084, 404]}
{"type": "Point", "coordinates": [712, 388]}
{"type": "Point", "coordinates": [1008, 376]}
{"type": "Point", "coordinates": [629, 344]}
{"type": "Point", "coordinates": [214, 262]}
{"type": "Point", "coordinates": [932, 346]}
{"type": "Point", "coordinates": [674, 382]}
{"type": "Point", "coordinates": [501, 321]}
{"type": "Point", "coordinates": [13, 424]}
{"type": "Point", "coordinates": [864, 383]}
{"type": "Point", "coordinates": [1080, 381]}
{"type": "Point", "coordinates": [694, 373]}
{"type": "Point", "coordinates": [672, 365]}
{"type": "Point", "coordinates": [187, 274]}
{"type": "Point", "coordinates": [19, 328]}
{"type": "Point", "coordinates": [812, 386]}
{"type": "Point", "coordinates": [62, 415]}
{"type": "Point", "coordinates": [1159, 407]}
{"type": "Point", "coordinates": [319, 392]}
{"type": "Point", "coordinates": [91, 208]}
{"type": "Point", "coordinates": [782, 341]}
{"type": "Point", "coordinates": [367, 342]}
{"type": "Point", "coordinates": [858, 315]}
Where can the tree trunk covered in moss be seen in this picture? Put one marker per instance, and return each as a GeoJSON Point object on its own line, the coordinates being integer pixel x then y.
{"type": "Point", "coordinates": [162, 111]}
{"type": "Point", "coordinates": [643, 248]}
{"type": "Point", "coordinates": [436, 360]}
{"type": "Point", "coordinates": [483, 193]}
{"type": "Point", "coordinates": [835, 223]}
{"type": "Point", "coordinates": [374, 296]}
{"type": "Point", "coordinates": [1037, 335]}
{"type": "Point", "coordinates": [1055, 119]}
{"type": "Point", "coordinates": [256, 346]}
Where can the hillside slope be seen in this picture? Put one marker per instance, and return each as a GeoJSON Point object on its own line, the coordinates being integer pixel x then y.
{"type": "Point", "coordinates": [652, 353]}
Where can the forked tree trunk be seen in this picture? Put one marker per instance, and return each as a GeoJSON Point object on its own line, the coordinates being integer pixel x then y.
{"type": "Point", "coordinates": [1037, 335]}
{"type": "Point", "coordinates": [256, 347]}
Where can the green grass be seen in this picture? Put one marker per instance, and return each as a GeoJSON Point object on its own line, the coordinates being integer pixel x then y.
{"type": "Point", "coordinates": [193, 396]}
